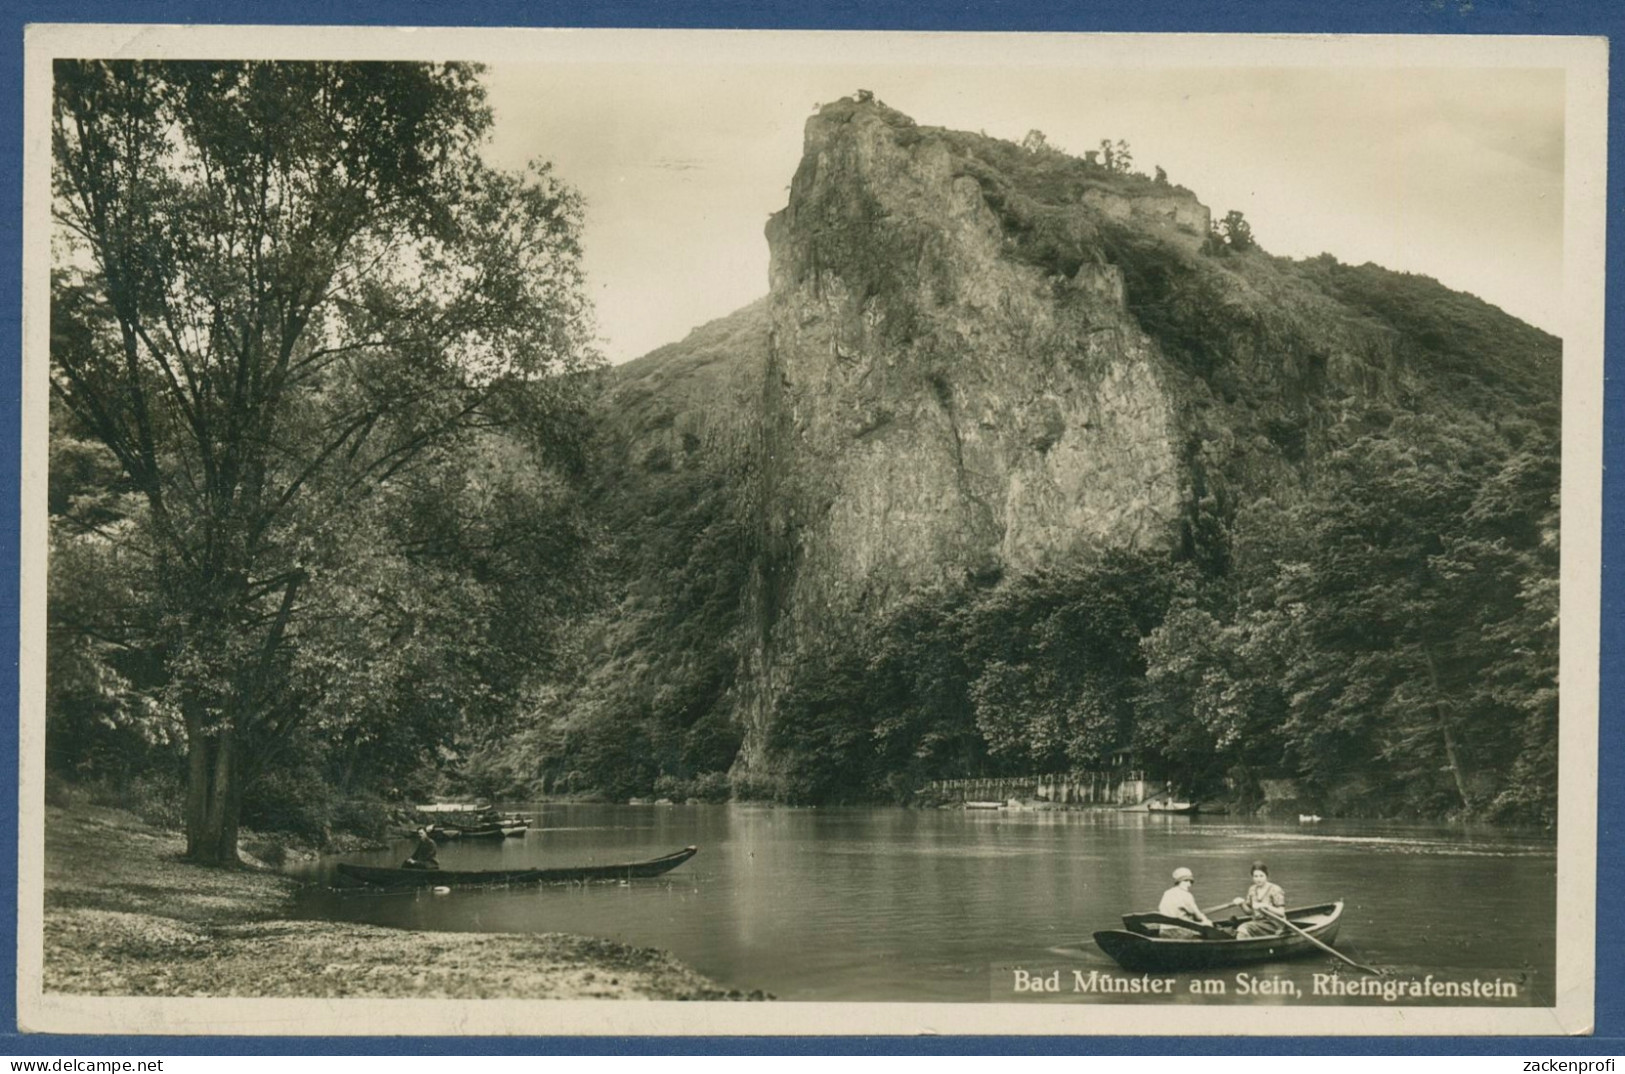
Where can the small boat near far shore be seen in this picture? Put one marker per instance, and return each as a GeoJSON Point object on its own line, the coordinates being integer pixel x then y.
{"type": "Point", "coordinates": [1165, 804]}
{"type": "Point", "coordinates": [1139, 948]}
{"type": "Point", "coordinates": [383, 876]}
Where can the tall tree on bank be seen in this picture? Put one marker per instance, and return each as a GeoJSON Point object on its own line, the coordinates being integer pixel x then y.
{"type": "Point", "coordinates": [281, 291]}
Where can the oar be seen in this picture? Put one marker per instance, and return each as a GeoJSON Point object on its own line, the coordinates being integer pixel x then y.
{"type": "Point", "coordinates": [1328, 948]}
{"type": "Point", "coordinates": [1205, 913]}
{"type": "Point", "coordinates": [1208, 913]}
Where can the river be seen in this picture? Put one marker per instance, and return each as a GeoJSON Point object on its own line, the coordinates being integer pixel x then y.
{"type": "Point", "coordinates": [946, 905]}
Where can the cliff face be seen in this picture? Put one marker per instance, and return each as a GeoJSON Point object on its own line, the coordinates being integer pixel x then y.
{"type": "Point", "coordinates": [936, 411]}
{"type": "Point", "coordinates": [935, 407]}
{"type": "Point", "coordinates": [978, 361]}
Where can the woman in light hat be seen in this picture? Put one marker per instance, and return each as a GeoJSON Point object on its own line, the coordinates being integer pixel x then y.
{"type": "Point", "coordinates": [1178, 902]}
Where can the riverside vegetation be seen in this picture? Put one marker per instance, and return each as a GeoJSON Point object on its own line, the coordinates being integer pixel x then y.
{"type": "Point", "coordinates": [1021, 462]}
{"type": "Point", "coordinates": [125, 914]}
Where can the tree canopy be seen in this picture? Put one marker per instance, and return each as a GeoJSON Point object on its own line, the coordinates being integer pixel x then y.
{"type": "Point", "coordinates": [288, 298]}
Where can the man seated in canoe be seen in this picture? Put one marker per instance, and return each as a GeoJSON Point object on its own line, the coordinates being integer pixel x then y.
{"type": "Point", "coordinates": [1178, 902]}
{"type": "Point", "coordinates": [1264, 902]}
{"type": "Point", "coordinates": [424, 854]}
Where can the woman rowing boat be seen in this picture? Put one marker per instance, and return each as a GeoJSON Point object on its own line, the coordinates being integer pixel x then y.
{"type": "Point", "coordinates": [1264, 902]}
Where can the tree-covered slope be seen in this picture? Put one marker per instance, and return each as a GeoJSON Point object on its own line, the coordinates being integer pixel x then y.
{"type": "Point", "coordinates": [651, 699]}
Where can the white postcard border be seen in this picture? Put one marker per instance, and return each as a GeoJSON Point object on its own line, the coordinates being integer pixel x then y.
{"type": "Point", "coordinates": [1584, 59]}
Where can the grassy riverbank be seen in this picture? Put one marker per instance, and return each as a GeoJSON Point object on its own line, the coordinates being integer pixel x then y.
{"type": "Point", "coordinates": [124, 915]}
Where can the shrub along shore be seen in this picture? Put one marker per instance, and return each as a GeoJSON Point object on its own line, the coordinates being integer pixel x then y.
{"type": "Point", "coordinates": [125, 915]}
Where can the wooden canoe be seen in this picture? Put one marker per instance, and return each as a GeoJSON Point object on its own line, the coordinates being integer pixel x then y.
{"type": "Point", "coordinates": [422, 878]}
{"type": "Point", "coordinates": [1136, 947]}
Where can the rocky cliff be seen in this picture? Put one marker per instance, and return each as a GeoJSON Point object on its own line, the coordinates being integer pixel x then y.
{"type": "Point", "coordinates": [978, 361]}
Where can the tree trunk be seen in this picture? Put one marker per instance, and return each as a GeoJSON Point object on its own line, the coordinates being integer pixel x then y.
{"type": "Point", "coordinates": [197, 781]}
{"type": "Point", "coordinates": [1444, 728]}
{"type": "Point", "coordinates": [1450, 755]}
{"type": "Point", "coordinates": [351, 755]}
{"type": "Point", "coordinates": [213, 799]}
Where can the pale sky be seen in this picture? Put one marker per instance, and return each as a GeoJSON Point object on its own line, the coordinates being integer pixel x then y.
{"type": "Point", "coordinates": [1454, 173]}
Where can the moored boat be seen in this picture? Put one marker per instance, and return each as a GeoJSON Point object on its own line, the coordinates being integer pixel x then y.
{"type": "Point", "coordinates": [454, 813]}
{"type": "Point", "coordinates": [1138, 948]}
{"type": "Point", "coordinates": [442, 832]}
{"type": "Point", "coordinates": [483, 831]}
{"type": "Point", "coordinates": [384, 876]}
{"type": "Point", "coordinates": [460, 821]}
{"type": "Point", "coordinates": [1177, 809]}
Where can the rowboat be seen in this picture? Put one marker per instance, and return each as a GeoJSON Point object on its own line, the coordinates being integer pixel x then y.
{"type": "Point", "coordinates": [421, 878]}
{"type": "Point", "coordinates": [490, 830]}
{"type": "Point", "coordinates": [475, 831]}
{"type": "Point", "coordinates": [1164, 803]}
{"type": "Point", "coordinates": [1138, 948]}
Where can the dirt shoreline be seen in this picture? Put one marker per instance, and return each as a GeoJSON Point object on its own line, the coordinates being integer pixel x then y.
{"type": "Point", "coordinates": [126, 916]}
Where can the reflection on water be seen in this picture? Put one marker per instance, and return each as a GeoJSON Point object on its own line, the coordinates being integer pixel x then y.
{"type": "Point", "coordinates": [894, 904]}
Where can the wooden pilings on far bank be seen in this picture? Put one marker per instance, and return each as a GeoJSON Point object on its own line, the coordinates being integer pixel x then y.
{"type": "Point", "coordinates": [1122, 787]}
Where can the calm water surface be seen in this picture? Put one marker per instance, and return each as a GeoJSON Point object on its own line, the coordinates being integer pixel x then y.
{"type": "Point", "coordinates": [894, 904]}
